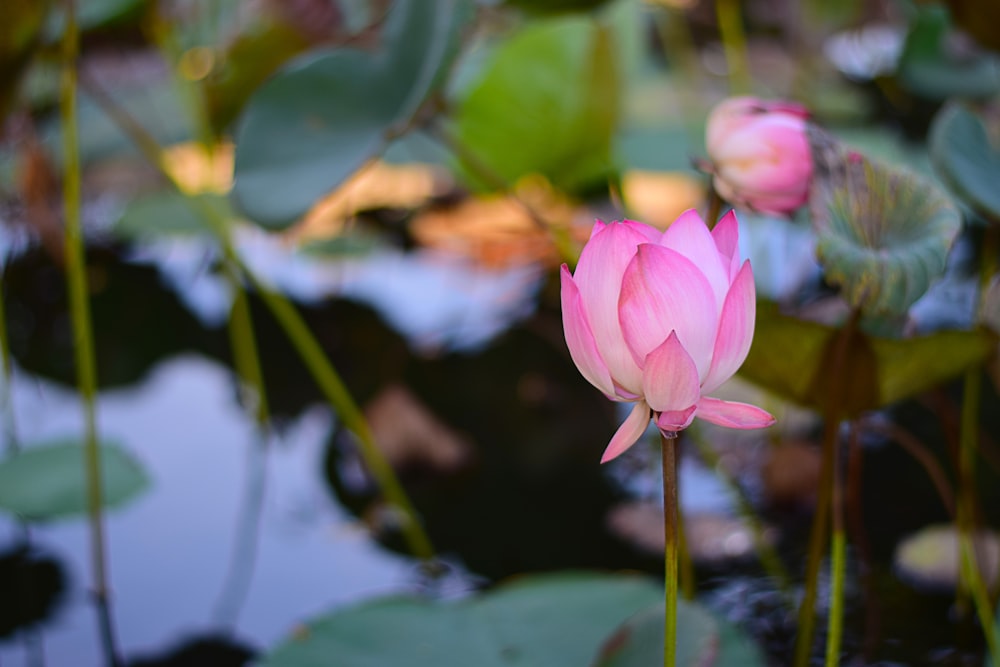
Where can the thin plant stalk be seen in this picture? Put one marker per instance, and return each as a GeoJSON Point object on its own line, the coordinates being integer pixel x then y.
{"type": "Point", "coordinates": [832, 415]}
{"type": "Point", "coordinates": [246, 361]}
{"type": "Point", "coordinates": [83, 344]}
{"type": "Point", "coordinates": [684, 563]}
{"type": "Point", "coordinates": [295, 328]}
{"type": "Point", "coordinates": [838, 568]}
{"type": "Point", "coordinates": [668, 443]}
{"type": "Point", "coordinates": [734, 44]}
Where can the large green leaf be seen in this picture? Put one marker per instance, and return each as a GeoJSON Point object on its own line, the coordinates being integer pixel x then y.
{"type": "Point", "coordinates": [928, 67]}
{"type": "Point", "coordinates": [323, 116]}
{"type": "Point", "coordinates": [702, 641]}
{"type": "Point", "coordinates": [883, 234]}
{"type": "Point", "coordinates": [795, 359]}
{"type": "Point", "coordinates": [539, 621]}
{"type": "Point", "coordinates": [967, 157]}
{"type": "Point", "coordinates": [47, 481]}
{"type": "Point", "coordinates": [547, 103]}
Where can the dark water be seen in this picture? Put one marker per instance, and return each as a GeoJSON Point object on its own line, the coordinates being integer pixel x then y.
{"type": "Point", "coordinates": [520, 490]}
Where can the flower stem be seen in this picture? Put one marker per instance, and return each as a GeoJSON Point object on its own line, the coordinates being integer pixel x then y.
{"type": "Point", "coordinates": [83, 344]}
{"type": "Point", "coordinates": [835, 620]}
{"type": "Point", "coordinates": [6, 380]}
{"type": "Point", "coordinates": [670, 537]}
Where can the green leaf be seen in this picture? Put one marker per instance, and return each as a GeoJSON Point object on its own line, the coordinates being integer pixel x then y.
{"type": "Point", "coordinates": [793, 359]}
{"type": "Point", "coordinates": [929, 68]}
{"type": "Point", "coordinates": [554, 620]}
{"type": "Point", "coordinates": [966, 156]}
{"type": "Point", "coordinates": [167, 214]}
{"type": "Point", "coordinates": [47, 481]}
{"type": "Point", "coordinates": [323, 116]}
{"type": "Point", "coordinates": [547, 103]}
{"type": "Point", "coordinates": [702, 641]}
{"type": "Point", "coordinates": [883, 235]}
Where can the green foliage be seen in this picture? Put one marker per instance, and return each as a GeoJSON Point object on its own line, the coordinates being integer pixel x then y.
{"type": "Point", "coordinates": [46, 481]}
{"type": "Point", "coordinates": [929, 68]}
{"type": "Point", "coordinates": [547, 102]}
{"type": "Point", "coordinates": [167, 214]}
{"type": "Point", "coordinates": [554, 620]}
{"type": "Point", "coordinates": [21, 23]}
{"type": "Point", "coordinates": [883, 235]}
{"type": "Point", "coordinates": [967, 158]}
{"type": "Point", "coordinates": [880, 371]}
{"type": "Point", "coordinates": [322, 117]}
{"type": "Point", "coordinates": [703, 641]}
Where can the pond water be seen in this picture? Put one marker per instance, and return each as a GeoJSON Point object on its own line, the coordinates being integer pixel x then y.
{"type": "Point", "coordinates": [495, 435]}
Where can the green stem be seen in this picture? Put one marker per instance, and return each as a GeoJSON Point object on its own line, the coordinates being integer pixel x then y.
{"type": "Point", "coordinates": [668, 446]}
{"type": "Point", "coordinates": [83, 344]}
{"type": "Point", "coordinates": [734, 43]}
{"type": "Point", "coordinates": [832, 414]}
{"type": "Point", "coordinates": [684, 563]}
{"type": "Point", "coordinates": [838, 566]}
{"type": "Point", "coordinates": [817, 543]}
{"type": "Point", "coordinates": [348, 411]}
{"type": "Point", "coordinates": [295, 328]}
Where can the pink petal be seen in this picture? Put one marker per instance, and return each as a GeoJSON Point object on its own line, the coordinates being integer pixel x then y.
{"type": "Point", "coordinates": [732, 414]}
{"type": "Point", "coordinates": [675, 420]}
{"type": "Point", "coordinates": [727, 239]}
{"type": "Point", "coordinates": [663, 291]}
{"type": "Point", "coordinates": [629, 432]}
{"type": "Point", "coordinates": [732, 342]}
{"type": "Point", "coordinates": [689, 235]}
{"type": "Point", "coordinates": [598, 277]}
{"type": "Point", "coordinates": [579, 338]}
{"type": "Point", "coordinates": [670, 378]}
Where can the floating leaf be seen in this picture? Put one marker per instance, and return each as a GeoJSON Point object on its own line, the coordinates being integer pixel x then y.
{"type": "Point", "coordinates": [539, 621]}
{"type": "Point", "coordinates": [702, 641]}
{"type": "Point", "coordinates": [794, 359]}
{"type": "Point", "coordinates": [883, 235]}
{"type": "Point", "coordinates": [967, 158]}
{"type": "Point", "coordinates": [326, 114]}
{"type": "Point", "coordinates": [47, 481]}
{"type": "Point", "coordinates": [928, 67]}
{"type": "Point", "coordinates": [547, 103]}
{"type": "Point", "coordinates": [930, 557]}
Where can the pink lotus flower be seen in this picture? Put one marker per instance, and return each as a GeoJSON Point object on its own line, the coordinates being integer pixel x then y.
{"type": "Point", "coordinates": [662, 319]}
{"type": "Point", "coordinates": [760, 154]}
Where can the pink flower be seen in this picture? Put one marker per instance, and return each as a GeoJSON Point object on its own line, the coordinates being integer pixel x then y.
{"type": "Point", "coordinates": [661, 319]}
{"type": "Point", "coordinates": [760, 154]}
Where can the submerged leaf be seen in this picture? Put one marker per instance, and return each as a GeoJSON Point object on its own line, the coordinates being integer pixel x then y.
{"type": "Point", "coordinates": [48, 481]}
{"type": "Point", "coordinates": [883, 235]}
{"type": "Point", "coordinates": [965, 152]}
{"type": "Point", "coordinates": [540, 621]}
{"type": "Point", "coordinates": [321, 118]}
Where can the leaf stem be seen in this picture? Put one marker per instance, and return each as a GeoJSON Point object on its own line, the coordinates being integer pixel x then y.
{"type": "Point", "coordinates": [295, 328]}
{"type": "Point", "coordinates": [83, 344]}
{"type": "Point", "coordinates": [838, 566]}
{"type": "Point", "coordinates": [669, 456]}
{"type": "Point", "coordinates": [734, 43]}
